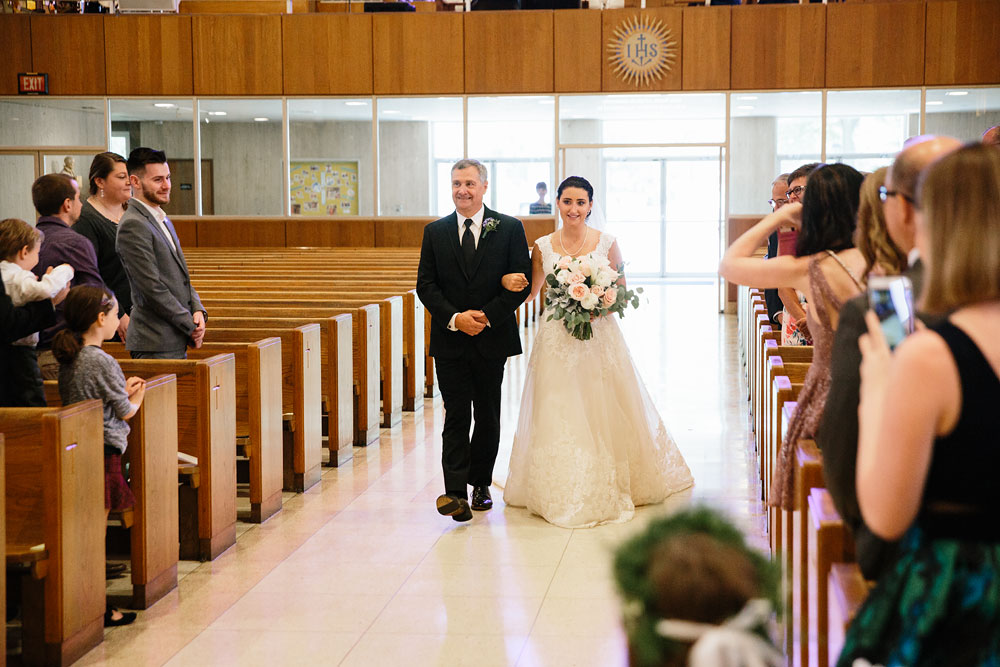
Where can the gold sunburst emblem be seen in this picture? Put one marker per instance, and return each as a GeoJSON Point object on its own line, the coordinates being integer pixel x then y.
{"type": "Point", "coordinates": [642, 50]}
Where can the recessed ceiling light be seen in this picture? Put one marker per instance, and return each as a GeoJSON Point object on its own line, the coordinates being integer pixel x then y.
{"type": "Point", "coordinates": [356, 104]}
{"type": "Point", "coordinates": [261, 119]}
{"type": "Point", "coordinates": [216, 113]}
{"type": "Point", "coordinates": [957, 93]}
{"type": "Point", "coordinates": [934, 103]}
{"type": "Point", "coordinates": [747, 98]}
{"type": "Point", "coordinates": [163, 105]}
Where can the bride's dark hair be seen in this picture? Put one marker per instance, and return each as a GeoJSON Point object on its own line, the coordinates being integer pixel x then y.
{"type": "Point", "coordinates": [576, 182]}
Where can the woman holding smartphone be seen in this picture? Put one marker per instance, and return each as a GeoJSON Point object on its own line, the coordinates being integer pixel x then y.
{"type": "Point", "coordinates": [927, 459]}
{"type": "Point", "coordinates": [826, 267]}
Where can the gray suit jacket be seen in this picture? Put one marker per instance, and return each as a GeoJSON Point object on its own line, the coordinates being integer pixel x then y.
{"type": "Point", "coordinates": [163, 300]}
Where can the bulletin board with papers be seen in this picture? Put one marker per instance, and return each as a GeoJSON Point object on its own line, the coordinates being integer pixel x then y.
{"type": "Point", "coordinates": [324, 187]}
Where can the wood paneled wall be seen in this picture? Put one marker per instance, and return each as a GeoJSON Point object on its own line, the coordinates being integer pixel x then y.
{"type": "Point", "coordinates": [907, 43]}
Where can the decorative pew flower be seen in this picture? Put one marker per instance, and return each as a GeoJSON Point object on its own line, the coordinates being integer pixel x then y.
{"type": "Point", "coordinates": [489, 225]}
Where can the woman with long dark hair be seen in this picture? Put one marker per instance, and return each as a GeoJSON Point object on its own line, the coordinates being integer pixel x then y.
{"type": "Point", "coordinates": [827, 268]}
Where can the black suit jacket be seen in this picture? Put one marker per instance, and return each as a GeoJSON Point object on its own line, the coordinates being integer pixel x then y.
{"type": "Point", "coordinates": [446, 286]}
{"type": "Point", "coordinates": [771, 298]}
{"type": "Point", "coordinates": [837, 436]}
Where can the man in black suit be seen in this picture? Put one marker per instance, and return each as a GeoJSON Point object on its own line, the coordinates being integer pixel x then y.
{"type": "Point", "coordinates": [838, 431]}
{"type": "Point", "coordinates": [463, 258]}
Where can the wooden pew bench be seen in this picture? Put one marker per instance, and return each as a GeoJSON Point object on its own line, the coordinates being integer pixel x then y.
{"type": "Point", "coordinates": [54, 526]}
{"type": "Point", "coordinates": [366, 334]}
{"type": "Point", "coordinates": [206, 430]}
{"type": "Point", "coordinates": [258, 414]}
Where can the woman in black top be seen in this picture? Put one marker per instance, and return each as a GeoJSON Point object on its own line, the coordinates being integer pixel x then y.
{"type": "Point", "coordinates": [110, 191]}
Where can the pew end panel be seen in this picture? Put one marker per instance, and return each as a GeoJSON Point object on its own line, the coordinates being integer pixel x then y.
{"type": "Point", "coordinates": [391, 360]}
{"type": "Point", "coordinates": [206, 429]}
{"type": "Point", "coordinates": [367, 332]}
{"type": "Point", "coordinates": [54, 496]}
{"type": "Point", "coordinates": [303, 469]}
{"type": "Point", "coordinates": [413, 352]}
{"type": "Point", "coordinates": [340, 414]}
{"type": "Point", "coordinates": [152, 452]}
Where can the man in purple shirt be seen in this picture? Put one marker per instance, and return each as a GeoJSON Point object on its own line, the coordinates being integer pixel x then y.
{"type": "Point", "coordinates": [57, 199]}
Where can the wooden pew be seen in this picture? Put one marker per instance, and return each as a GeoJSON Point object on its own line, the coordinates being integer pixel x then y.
{"type": "Point", "coordinates": [413, 347]}
{"type": "Point", "coordinates": [366, 328]}
{"type": "Point", "coordinates": [206, 429]}
{"type": "Point", "coordinates": [847, 590]}
{"type": "Point", "coordinates": [302, 389]}
{"type": "Point", "coordinates": [390, 346]}
{"type": "Point", "coordinates": [829, 542]}
{"type": "Point", "coordinates": [258, 414]}
{"type": "Point", "coordinates": [808, 475]}
{"type": "Point", "coordinates": [54, 525]}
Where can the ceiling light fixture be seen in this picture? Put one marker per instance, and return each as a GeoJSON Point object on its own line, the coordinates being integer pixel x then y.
{"type": "Point", "coordinates": [261, 119]}
{"type": "Point", "coordinates": [957, 93]}
{"type": "Point", "coordinates": [163, 105]}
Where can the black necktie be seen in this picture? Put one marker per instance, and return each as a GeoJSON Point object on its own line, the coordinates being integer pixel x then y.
{"type": "Point", "coordinates": [468, 244]}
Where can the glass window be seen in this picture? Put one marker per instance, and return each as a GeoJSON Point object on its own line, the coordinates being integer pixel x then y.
{"type": "Point", "coordinates": [240, 151]}
{"type": "Point", "coordinates": [418, 141]}
{"type": "Point", "coordinates": [770, 134]}
{"type": "Point", "coordinates": [17, 173]}
{"type": "Point", "coordinates": [52, 122]}
{"type": "Point", "coordinates": [166, 125]}
{"type": "Point", "coordinates": [963, 113]}
{"type": "Point", "coordinates": [642, 119]}
{"type": "Point", "coordinates": [663, 204]}
{"type": "Point", "coordinates": [331, 157]}
{"type": "Point", "coordinates": [866, 128]}
{"type": "Point", "coordinates": [515, 138]}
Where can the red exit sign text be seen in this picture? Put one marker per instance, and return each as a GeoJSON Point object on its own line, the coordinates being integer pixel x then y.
{"type": "Point", "coordinates": [33, 84]}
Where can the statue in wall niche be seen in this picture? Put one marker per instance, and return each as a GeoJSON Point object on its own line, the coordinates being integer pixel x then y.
{"type": "Point", "coordinates": [68, 164]}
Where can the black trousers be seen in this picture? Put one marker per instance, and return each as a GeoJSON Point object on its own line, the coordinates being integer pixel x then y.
{"type": "Point", "coordinates": [23, 386]}
{"type": "Point", "coordinates": [470, 387]}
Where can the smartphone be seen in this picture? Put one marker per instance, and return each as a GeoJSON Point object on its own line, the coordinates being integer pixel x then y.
{"type": "Point", "coordinates": [891, 297]}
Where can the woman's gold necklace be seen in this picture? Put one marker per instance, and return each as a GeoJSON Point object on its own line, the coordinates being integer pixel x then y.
{"type": "Point", "coordinates": [582, 243]}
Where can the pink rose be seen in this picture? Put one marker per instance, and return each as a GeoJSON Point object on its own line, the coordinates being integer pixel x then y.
{"type": "Point", "coordinates": [610, 296]}
{"type": "Point", "coordinates": [597, 290]}
{"type": "Point", "coordinates": [576, 278]}
{"type": "Point", "coordinates": [578, 291]}
{"type": "Point", "coordinates": [563, 263]}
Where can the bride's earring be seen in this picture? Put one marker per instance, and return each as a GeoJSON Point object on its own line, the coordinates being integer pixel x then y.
{"type": "Point", "coordinates": [102, 193]}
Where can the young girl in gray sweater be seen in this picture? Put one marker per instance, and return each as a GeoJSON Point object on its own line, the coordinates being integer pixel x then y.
{"type": "Point", "coordinates": [86, 371]}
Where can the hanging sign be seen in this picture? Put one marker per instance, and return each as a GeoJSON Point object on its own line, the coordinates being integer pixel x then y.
{"type": "Point", "coordinates": [642, 50]}
{"type": "Point", "coordinates": [32, 83]}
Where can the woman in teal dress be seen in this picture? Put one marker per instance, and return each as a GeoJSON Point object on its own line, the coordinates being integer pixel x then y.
{"type": "Point", "coordinates": [929, 441]}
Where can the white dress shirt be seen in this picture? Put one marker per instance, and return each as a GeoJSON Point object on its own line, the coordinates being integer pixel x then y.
{"type": "Point", "coordinates": [477, 228]}
{"type": "Point", "coordinates": [159, 215]}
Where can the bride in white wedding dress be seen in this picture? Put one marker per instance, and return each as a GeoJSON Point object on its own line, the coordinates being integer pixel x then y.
{"type": "Point", "coordinates": [590, 445]}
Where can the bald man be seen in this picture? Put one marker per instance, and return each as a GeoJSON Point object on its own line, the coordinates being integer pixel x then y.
{"type": "Point", "coordinates": [991, 137]}
{"type": "Point", "coordinates": [837, 436]}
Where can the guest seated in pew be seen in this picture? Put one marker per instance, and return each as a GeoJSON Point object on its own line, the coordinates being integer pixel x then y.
{"type": "Point", "coordinates": [929, 440]}
{"type": "Point", "coordinates": [695, 594]}
{"type": "Point", "coordinates": [886, 237]}
{"type": "Point", "coordinates": [827, 268]}
{"type": "Point", "coordinates": [19, 246]}
{"type": "Point", "coordinates": [85, 372]}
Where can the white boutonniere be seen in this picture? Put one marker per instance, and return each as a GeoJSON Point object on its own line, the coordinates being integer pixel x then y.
{"type": "Point", "coordinates": [490, 225]}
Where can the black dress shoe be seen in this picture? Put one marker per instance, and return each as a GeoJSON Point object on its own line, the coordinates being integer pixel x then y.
{"type": "Point", "coordinates": [453, 506]}
{"type": "Point", "coordinates": [481, 499]}
{"type": "Point", "coordinates": [126, 619]}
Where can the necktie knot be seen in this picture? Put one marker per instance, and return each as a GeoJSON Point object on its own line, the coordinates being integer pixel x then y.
{"type": "Point", "coordinates": [468, 223]}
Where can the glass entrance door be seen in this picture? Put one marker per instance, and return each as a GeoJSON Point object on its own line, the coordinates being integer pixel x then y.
{"type": "Point", "coordinates": [665, 206]}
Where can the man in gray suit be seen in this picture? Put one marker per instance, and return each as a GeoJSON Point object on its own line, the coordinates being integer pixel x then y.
{"type": "Point", "coordinates": [837, 436]}
{"type": "Point", "coordinates": [167, 315]}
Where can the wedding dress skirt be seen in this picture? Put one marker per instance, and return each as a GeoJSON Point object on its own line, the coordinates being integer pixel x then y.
{"type": "Point", "coordinates": [590, 445]}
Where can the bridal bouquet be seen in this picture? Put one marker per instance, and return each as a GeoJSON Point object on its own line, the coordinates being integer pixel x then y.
{"type": "Point", "coordinates": [584, 288]}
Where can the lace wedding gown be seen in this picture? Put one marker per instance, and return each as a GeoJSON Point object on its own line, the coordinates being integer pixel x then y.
{"type": "Point", "coordinates": [590, 445]}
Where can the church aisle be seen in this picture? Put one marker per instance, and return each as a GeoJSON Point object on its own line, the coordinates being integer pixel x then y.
{"type": "Point", "coordinates": [361, 570]}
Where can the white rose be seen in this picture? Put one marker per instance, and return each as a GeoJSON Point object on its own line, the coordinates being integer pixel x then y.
{"type": "Point", "coordinates": [606, 276]}
{"type": "Point", "coordinates": [590, 300]}
{"type": "Point", "coordinates": [563, 276]}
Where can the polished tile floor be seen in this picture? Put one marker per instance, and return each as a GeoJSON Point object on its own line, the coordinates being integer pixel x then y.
{"type": "Point", "coordinates": [361, 570]}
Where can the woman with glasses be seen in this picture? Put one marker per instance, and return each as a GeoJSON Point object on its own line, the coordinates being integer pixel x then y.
{"type": "Point", "coordinates": [794, 323]}
{"type": "Point", "coordinates": [826, 268]}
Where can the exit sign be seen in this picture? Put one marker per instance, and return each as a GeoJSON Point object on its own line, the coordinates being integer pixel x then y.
{"type": "Point", "coordinates": [32, 83]}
